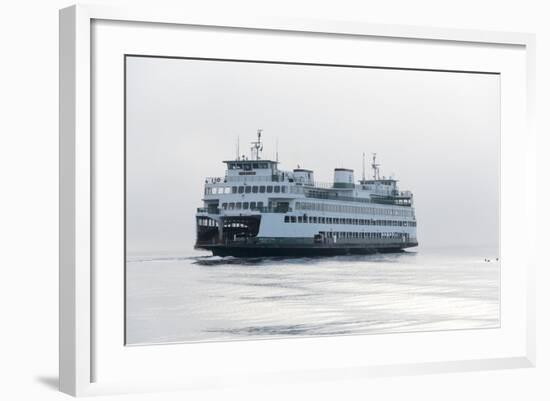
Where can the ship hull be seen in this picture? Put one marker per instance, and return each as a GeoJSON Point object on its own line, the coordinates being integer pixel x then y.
{"type": "Point", "coordinates": [301, 250]}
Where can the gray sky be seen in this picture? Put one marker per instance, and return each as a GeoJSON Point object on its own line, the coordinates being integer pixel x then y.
{"type": "Point", "coordinates": [436, 132]}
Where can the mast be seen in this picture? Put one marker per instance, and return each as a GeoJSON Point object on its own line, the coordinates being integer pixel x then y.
{"type": "Point", "coordinates": [257, 146]}
{"type": "Point", "coordinates": [374, 165]}
{"type": "Point", "coordinates": [363, 167]}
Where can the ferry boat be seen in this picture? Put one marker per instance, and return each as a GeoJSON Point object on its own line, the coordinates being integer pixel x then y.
{"type": "Point", "coordinates": [256, 209]}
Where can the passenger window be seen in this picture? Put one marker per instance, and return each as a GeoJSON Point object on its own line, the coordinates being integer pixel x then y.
{"type": "Point", "coordinates": [260, 205]}
{"type": "Point", "coordinates": [252, 205]}
{"type": "Point", "coordinates": [262, 189]}
{"type": "Point", "coordinates": [269, 189]}
{"type": "Point", "coordinates": [300, 219]}
{"type": "Point", "coordinates": [255, 189]}
{"type": "Point", "coordinates": [248, 189]}
{"type": "Point", "coordinates": [245, 205]}
{"type": "Point", "coordinates": [232, 206]}
{"type": "Point", "coordinates": [283, 189]}
{"type": "Point", "coordinates": [224, 206]}
{"type": "Point", "coordinates": [277, 189]}
{"type": "Point", "coordinates": [293, 219]}
{"type": "Point", "coordinates": [241, 190]}
{"type": "Point", "coordinates": [238, 205]}
{"type": "Point", "coordinates": [234, 190]}
{"type": "Point", "coordinates": [287, 219]}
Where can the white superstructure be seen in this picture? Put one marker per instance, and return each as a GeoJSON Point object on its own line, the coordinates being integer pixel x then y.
{"type": "Point", "coordinates": [258, 209]}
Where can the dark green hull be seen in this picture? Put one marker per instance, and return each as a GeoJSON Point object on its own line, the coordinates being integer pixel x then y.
{"type": "Point", "coordinates": [301, 248]}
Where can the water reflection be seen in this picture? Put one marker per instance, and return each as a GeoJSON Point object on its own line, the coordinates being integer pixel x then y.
{"type": "Point", "coordinates": [198, 297]}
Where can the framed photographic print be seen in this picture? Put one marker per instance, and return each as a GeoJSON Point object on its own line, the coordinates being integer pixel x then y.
{"type": "Point", "coordinates": [346, 193]}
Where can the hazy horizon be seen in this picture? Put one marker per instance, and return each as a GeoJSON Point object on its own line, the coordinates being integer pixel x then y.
{"type": "Point", "coordinates": [436, 132]}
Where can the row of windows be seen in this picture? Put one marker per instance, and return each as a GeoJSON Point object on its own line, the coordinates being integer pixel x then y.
{"type": "Point", "coordinates": [242, 205]}
{"type": "Point", "coordinates": [338, 208]}
{"type": "Point", "coordinates": [246, 189]}
{"type": "Point", "coordinates": [363, 235]}
{"type": "Point", "coordinates": [247, 166]}
{"type": "Point", "coordinates": [207, 222]}
{"type": "Point", "coordinates": [340, 220]}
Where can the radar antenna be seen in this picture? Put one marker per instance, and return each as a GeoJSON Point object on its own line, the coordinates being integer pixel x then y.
{"type": "Point", "coordinates": [375, 166]}
{"type": "Point", "coordinates": [257, 147]}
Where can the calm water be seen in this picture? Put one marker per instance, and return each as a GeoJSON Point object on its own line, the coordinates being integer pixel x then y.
{"type": "Point", "coordinates": [194, 297]}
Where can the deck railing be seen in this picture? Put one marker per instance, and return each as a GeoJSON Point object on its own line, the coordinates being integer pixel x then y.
{"type": "Point", "coordinates": [209, 210]}
{"type": "Point", "coordinates": [255, 209]}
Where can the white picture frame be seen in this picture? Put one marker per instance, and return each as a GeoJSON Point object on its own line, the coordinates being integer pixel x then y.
{"type": "Point", "coordinates": [84, 348]}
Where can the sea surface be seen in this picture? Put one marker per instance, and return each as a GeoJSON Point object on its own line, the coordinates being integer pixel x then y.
{"type": "Point", "coordinates": [198, 297]}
